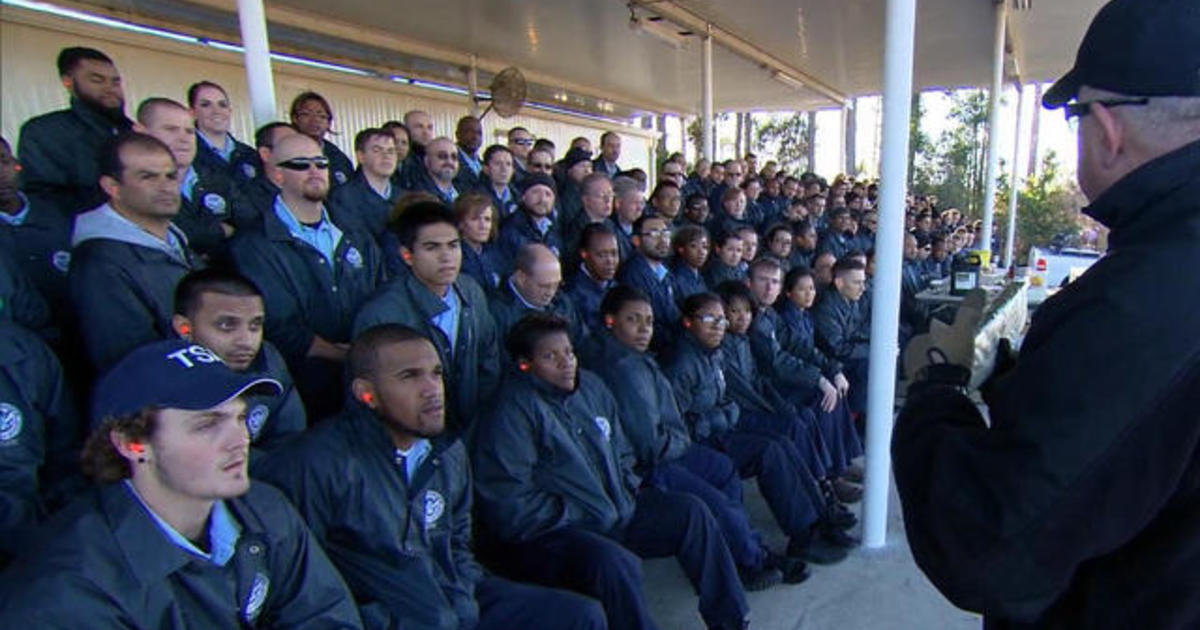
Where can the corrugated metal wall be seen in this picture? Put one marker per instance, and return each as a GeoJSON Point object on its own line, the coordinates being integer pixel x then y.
{"type": "Point", "coordinates": [153, 66]}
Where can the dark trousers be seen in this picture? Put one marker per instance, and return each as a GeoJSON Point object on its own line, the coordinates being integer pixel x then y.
{"type": "Point", "coordinates": [789, 489]}
{"type": "Point", "coordinates": [711, 476]}
{"type": "Point", "coordinates": [838, 435]}
{"type": "Point", "coordinates": [801, 428]}
{"type": "Point", "coordinates": [609, 568]}
{"type": "Point", "coordinates": [505, 605]}
{"type": "Point", "coordinates": [856, 372]}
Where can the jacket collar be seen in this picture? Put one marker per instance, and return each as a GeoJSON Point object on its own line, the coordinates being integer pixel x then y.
{"type": "Point", "coordinates": [426, 302]}
{"type": "Point", "coordinates": [1123, 206]}
{"type": "Point", "coordinates": [149, 554]}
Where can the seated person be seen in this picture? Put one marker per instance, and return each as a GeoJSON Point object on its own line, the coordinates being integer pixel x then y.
{"type": "Point", "coordinates": [836, 239]}
{"type": "Point", "coordinates": [779, 244]}
{"type": "Point", "coordinates": [698, 378]}
{"type": "Point", "coordinates": [664, 454]}
{"type": "Point", "coordinates": [533, 222]}
{"type": "Point", "coordinates": [647, 272]}
{"type": "Point", "coordinates": [20, 300]}
{"type": "Point", "coordinates": [749, 247]}
{"type": "Point", "coordinates": [477, 221]}
{"type": "Point", "coordinates": [39, 437]}
{"type": "Point", "coordinates": [534, 287]}
{"type": "Point", "coordinates": [369, 196]}
{"type": "Point", "coordinates": [723, 265]}
{"type": "Point", "coordinates": [599, 259]}
{"type": "Point", "coordinates": [314, 272]}
{"type": "Point", "coordinates": [217, 151]}
{"type": "Point", "coordinates": [914, 314]}
{"type": "Point", "coordinates": [804, 244]}
{"type": "Point", "coordinates": [497, 181]}
{"type": "Point", "coordinates": [224, 312]}
{"type": "Point", "coordinates": [447, 307]}
{"type": "Point", "coordinates": [690, 248]}
{"type": "Point", "coordinates": [596, 198]}
{"type": "Point", "coordinates": [695, 211]}
{"type": "Point", "coordinates": [557, 492]}
{"type": "Point", "coordinates": [175, 535]}
{"type": "Point", "coordinates": [387, 494]}
{"type": "Point", "coordinates": [628, 206]}
{"type": "Point", "coordinates": [127, 255]}
{"type": "Point", "coordinates": [840, 332]}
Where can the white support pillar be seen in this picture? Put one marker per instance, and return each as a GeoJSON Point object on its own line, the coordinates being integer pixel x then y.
{"type": "Point", "coordinates": [1016, 181]}
{"type": "Point", "coordinates": [473, 86]}
{"type": "Point", "coordinates": [257, 51]}
{"type": "Point", "coordinates": [706, 95]}
{"type": "Point", "coordinates": [899, 37]}
{"type": "Point", "coordinates": [993, 151]}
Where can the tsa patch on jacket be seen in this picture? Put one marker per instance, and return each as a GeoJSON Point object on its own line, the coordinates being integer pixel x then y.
{"type": "Point", "coordinates": [256, 419]}
{"type": "Point", "coordinates": [258, 595]}
{"type": "Point", "coordinates": [215, 203]}
{"type": "Point", "coordinates": [61, 260]}
{"type": "Point", "coordinates": [340, 177]}
{"type": "Point", "coordinates": [605, 427]}
{"type": "Point", "coordinates": [435, 506]}
{"type": "Point", "coordinates": [354, 258]}
{"type": "Point", "coordinates": [248, 171]}
{"type": "Point", "coordinates": [10, 423]}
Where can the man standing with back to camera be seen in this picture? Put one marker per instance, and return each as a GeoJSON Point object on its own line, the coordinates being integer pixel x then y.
{"type": "Point", "coordinates": [1079, 507]}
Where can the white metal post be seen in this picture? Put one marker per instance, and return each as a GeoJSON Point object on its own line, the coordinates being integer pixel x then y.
{"type": "Point", "coordinates": [1016, 181]}
{"type": "Point", "coordinates": [257, 51]}
{"type": "Point", "coordinates": [885, 313]}
{"type": "Point", "coordinates": [993, 153]}
{"type": "Point", "coordinates": [706, 95]}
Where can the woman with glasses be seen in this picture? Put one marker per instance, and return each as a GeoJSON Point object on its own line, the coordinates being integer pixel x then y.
{"type": "Point", "coordinates": [312, 116]}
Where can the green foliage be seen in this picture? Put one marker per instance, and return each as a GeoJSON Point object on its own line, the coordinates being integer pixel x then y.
{"type": "Point", "coordinates": [954, 167]}
{"type": "Point", "coordinates": [693, 134]}
{"type": "Point", "coordinates": [1046, 208]}
{"type": "Point", "coordinates": [787, 139]}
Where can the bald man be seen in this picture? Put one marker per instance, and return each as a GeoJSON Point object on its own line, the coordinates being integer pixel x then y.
{"type": "Point", "coordinates": [534, 287]}
{"type": "Point", "coordinates": [314, 273]}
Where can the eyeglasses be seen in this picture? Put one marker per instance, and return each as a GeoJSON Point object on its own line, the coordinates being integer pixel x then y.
{"type": "Point", "coordinates": [713, 320]}
{"type": "Point", "coordinates": [446, 156]}
{"type": "Point", "coordinates": [660, 233]}
{"type": "Point", "coordinates": [542, 165]}
{"type": "Point", "coordinates": [303, 164]}
{"type": "Point", "coordinates": [1076, 111]}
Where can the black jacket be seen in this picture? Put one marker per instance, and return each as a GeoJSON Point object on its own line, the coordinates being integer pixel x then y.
{"type": "Point", "coordinates": [358, 203]}
{"type": "Point", "coordinates": [60, 155]}
{"type": "Point", "coordinates": [840, 331]}
{"type": "Point", "coordinates": [243, 166]}
{"type": "Point", "coordinates": [1080, 506]}
{"type": "Point", "coordinates": [403, 546]}
{"type": "Point", "coordinates": [508, 308]}
{"type": "Point", "coordinates": [104, 563]}
{"type": "Point", "coordinates": [341, 169]}
{"type": "Point", "coordinates": [472, 369]}
{"type": "Point", "coordinates": [697, 376]}
{"type": "Point", "coordinates": [649, 415]}
{"type": "Point", "coordinates": [41, 248]}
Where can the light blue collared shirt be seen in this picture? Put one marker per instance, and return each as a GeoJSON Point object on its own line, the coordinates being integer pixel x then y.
{"type": "Point", "coordinates": [412, 458]}
{"type": "Point", "coordinates": [660, 270]}
{"type": "Point", "coordinates": [324, 237]}
{"type": "Point", "coordinates": [447, 320]}
{"type": "Point", "coordinates": [189, 181]}
{"type": "Point", "coordinates": [448, 195]}
{"type": "Point", "coordinates": [223, 531]}
{"type": "Point", "coordinates": [387, 189]}
{"type": "Point", "coordinates": [543, 225]}
{"type": "Point", "coordinates": [471, 162]}
{"type": "Point", "coordinates": [18, 218]}
{"type": "Point", "coordinates": [225, 151]}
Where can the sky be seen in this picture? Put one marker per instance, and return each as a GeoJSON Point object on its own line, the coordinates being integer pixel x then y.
{"type": "Point", "coordinates": [1054, 134]}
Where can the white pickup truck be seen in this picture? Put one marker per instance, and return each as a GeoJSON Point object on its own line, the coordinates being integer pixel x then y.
{"type": "Point", "coordinates": [1050, 269]}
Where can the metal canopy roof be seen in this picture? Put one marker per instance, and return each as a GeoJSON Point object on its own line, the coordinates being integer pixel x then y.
{"type": "Point", "coordinates": [584, 55]}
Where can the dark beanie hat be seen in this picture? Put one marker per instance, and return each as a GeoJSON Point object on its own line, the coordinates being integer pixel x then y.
{"type": "Point", "coordinates": [538, 179]}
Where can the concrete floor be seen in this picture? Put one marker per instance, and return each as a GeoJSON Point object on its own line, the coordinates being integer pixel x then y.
{"type": "Point", "coordinates": [871, 590]}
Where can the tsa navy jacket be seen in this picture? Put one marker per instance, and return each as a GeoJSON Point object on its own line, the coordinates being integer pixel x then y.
{"type": "Point", "coordinates": [547, 459]}
{"type": "Point", "coordinates": [835, 243]}
{"type": "Point", "coordinates": [303, 296]}
{"type": "Point", "coordinates": [40, 436]}
{"type": "Point", "coordinates": [472, 368]}
{"type": "Point", "coordinates": [122, 282]}
{"type": "Point", "coordinates": [785, 369]}
{"type": "Point", "coordinates": [484, 266]}
{"type": "Point", "coordinates": [508, 308]}
{"type": "Point", "coordinates": [41, 248]}
{"type": "Point", "coordinates": [341, 169]}
{"type": "Point", "coordinates": [698, 379]}
{"type": "Point", "coordinates": [243, 166]}
{"type": "Point", "coordinates": [685, 281]}
{"type": "Point", "coordinates": [466, 179]}
{"type": "Point", "coordinates": [273, 419]}
{"type": "Point", "coordinates": [504, 207]}
{"type": "Point", "coordinates": [214, 201]}
{"type": "Point", "coordinates": [797, 336]}
{"type": "Point", "coordinates": [1077, 505]}
{"type": "Point", "coordinates": [746, 386]}
{"type": "Point", "coordinates": [519, 230]}
{"type": "Point", "coordinates": [104, 563]}
{"type": "Point", "coordinates": [717, 273]}
{"type": "Point", "coordinates": [20, 301]}
{"type": "Point", "coordinates": [60, 155]}
{"type": "Point", "coordinates": [358, 203]}
{"type": "Point", "coordinates": [403, 546]}
{"type": "Point", "coordinates": [587, 294]}
{"type": "Point", "coordinates": [840, 332]}
{"type": "Point", "coordinates": [650, 417]}
{"type": "Point", "coordinates": [637, 273]}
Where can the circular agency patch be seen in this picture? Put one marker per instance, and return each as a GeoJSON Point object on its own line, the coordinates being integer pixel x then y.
{"type": "Point", "coordinates": [11, 421]}
{"type": "Point", "coordinates": [256, 419]}
{"type": "Point", "coordinates": [435, 506]}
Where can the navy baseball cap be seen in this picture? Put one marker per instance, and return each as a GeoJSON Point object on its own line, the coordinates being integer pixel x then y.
{"type": "Point", "coordinates": [1136, 48]}
{"type": "Point", "coordinates": [175, 373]}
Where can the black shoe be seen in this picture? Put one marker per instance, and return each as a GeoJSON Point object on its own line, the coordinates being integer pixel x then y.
{"type": "Point", "coordinates": [836, 537]}
{"type": "Point", "coordinates": [760, 579]}
{"type": "Point", "coordinates": [839, 516]}
{"type": "Point", "coordinates": [847, 492]}
{"type": "Point", "coordinates": [853, 474]}
{"type": "Point", "coordinates": [794, 570]}
{"type": "Point", "coordinates": [815, 550]}
{"type": "Point", "coordinates": [741, 625]}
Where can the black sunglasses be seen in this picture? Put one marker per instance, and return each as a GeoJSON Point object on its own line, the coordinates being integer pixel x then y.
{"type": "Point", "coordinates": [1079, 110]}
{"type": "Point", "coordinates": [303, 164]}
